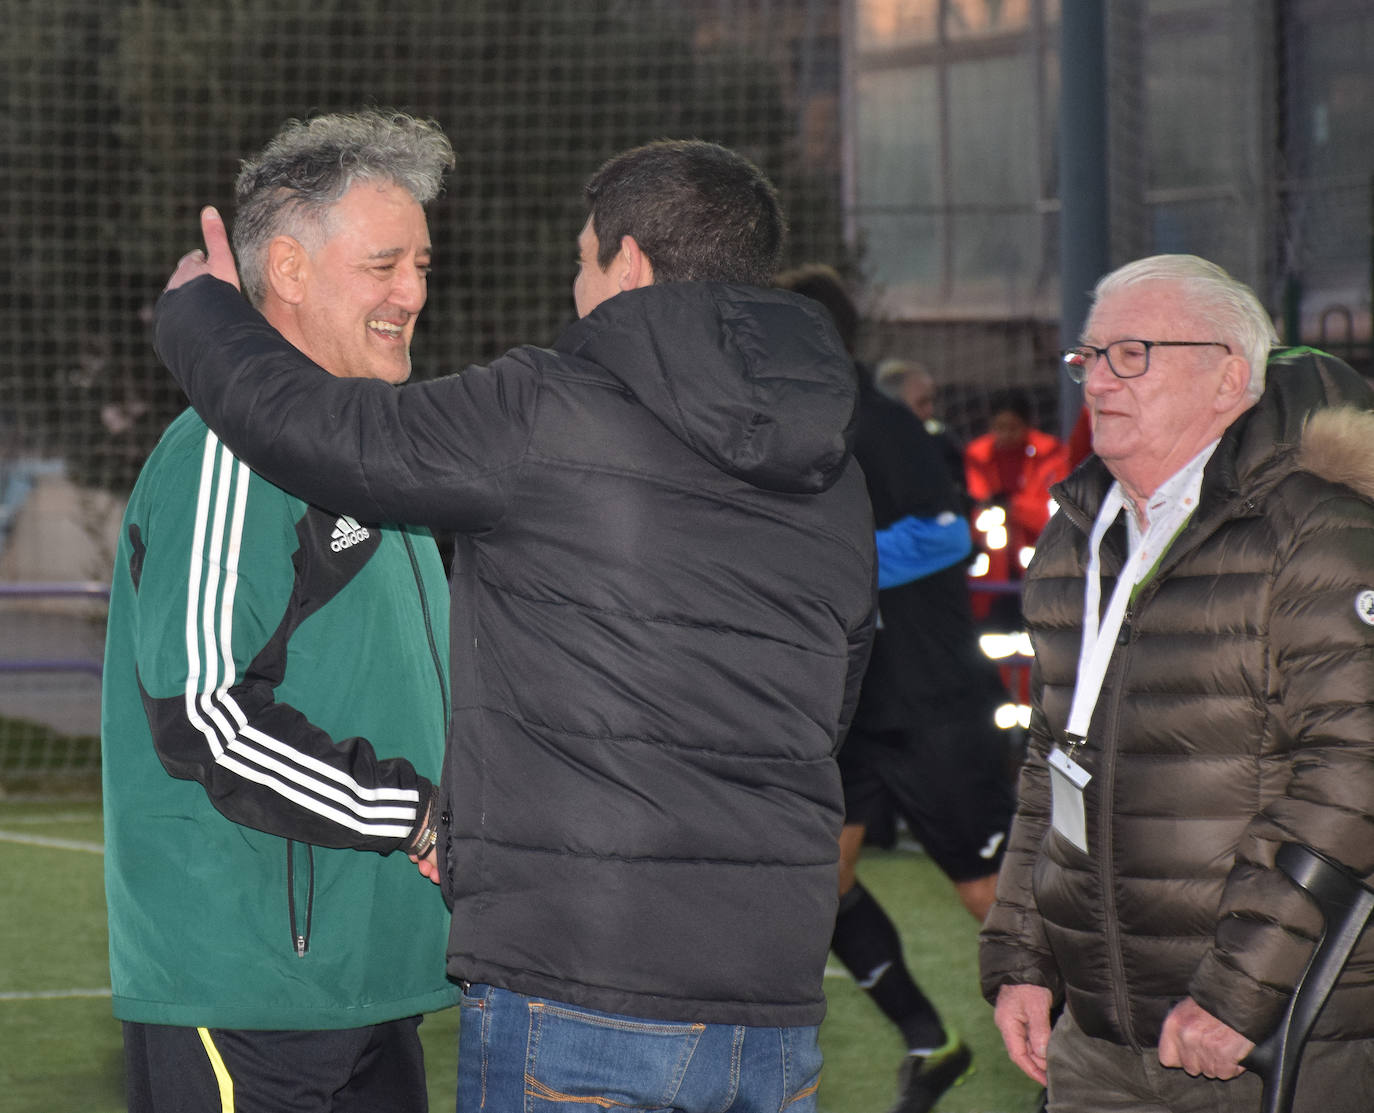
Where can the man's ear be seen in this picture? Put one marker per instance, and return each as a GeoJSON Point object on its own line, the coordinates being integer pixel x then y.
{"type": "Point", "coordinates": [287, 266]}
{"type": "Point", "coordinates": [638, 271]}
{"type": "Point", "coordinates": [1233, 392]}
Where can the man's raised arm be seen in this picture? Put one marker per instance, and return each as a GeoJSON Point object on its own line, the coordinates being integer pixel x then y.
{"type": "Point", "coordinates": [436, 453]}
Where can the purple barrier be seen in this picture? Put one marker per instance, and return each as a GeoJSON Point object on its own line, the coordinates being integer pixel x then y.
{"type": "Point", "coordinates": [73, 590]}
{"type": "Point", "coordinates": [87, 589]}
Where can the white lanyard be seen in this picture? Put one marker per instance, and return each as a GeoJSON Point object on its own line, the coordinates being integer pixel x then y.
{"type": "Point", "coordinates": [1169, 509]}
{"type": "Point", "coordinates": [1167, 516]}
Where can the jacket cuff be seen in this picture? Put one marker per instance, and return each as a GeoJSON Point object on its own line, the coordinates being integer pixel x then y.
{"type": "Point", "coordinates": [426, 832]}
{"type": "Point", "coordinates": [1250, 1008]}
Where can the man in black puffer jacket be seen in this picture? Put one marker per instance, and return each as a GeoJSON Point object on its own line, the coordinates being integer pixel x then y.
{"type": "Point", "coordinates": [662, 607]}
{"type": "Point", "coordinates": [1223, 534]}
{"type": "Point", "coordinates": [924, 744]}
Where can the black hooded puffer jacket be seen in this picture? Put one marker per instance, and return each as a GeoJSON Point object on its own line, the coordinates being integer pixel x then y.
{"type": "Point", "coordinates": [662, 607]}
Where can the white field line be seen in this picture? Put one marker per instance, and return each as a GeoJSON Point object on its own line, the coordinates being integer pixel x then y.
{"type": "Point", "coordinates": [55, 994]}
{"type": "Point", "coordinates": [98, 848]}
{"type": "Point", "coordinates": [52, 844]}
{"type": "Point", "coordinates": [55, 844]}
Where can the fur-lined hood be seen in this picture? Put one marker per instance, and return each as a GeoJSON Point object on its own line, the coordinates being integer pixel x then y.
{"type": "Point", "coordinates": [1313, 404]}
{"type": "Point", "coordinates": [1338, 445]}
{"type": "Point", "coordinates": [1316, 415]}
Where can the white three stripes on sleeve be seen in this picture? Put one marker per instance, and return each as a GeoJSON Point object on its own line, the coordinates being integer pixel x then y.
{"type": "Point", "coordinates": [250, 753]}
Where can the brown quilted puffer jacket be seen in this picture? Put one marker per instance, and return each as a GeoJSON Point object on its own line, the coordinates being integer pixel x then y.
{"type": "Point", "coordinates": [1237, 713]}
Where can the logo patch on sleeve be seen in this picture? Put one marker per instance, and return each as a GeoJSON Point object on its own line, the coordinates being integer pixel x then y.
{"type": "Point", "coordinates": [1364, 607]}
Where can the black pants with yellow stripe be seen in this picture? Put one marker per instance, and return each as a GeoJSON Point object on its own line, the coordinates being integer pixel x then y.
{"type": "Point", "coordinates": [378, 1069]}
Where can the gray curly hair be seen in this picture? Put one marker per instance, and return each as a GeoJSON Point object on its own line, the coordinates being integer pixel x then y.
{"type": "Point", "coordinates": [291, 185]}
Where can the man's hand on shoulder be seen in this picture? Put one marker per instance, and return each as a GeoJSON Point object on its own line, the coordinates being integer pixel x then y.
{"type": "Point", "coordinates": [1192, 1038]}
{"type": "Point", "coordinates": [217, 260]}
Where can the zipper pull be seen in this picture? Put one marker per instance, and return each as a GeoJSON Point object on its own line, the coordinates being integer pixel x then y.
{"type": "Point", "coordinates": [300, 940]}
{"type": "Point", "coordinates": [1123, 636]}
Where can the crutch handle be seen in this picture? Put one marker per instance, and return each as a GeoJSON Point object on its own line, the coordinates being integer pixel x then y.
{"type": "Point", "coordinates": [1345, 904]}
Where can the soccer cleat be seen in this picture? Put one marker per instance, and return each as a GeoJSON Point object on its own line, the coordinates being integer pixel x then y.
{"type": "Point", "coordinates": [923, 1078]}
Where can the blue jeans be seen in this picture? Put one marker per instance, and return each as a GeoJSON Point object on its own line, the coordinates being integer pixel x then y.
{"type": "Point", "coordinates": [521, 1054]}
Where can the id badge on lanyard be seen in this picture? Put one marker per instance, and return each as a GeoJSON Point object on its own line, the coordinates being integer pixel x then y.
{"type": "Point", "coordinates": [1068, 778]}
{"type": "Point", "coordinates": [1169, 510]}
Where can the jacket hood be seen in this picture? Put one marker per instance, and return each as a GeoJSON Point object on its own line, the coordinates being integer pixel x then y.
{"type": "Point", "coordinates": [755, 381]}
{"type": "Point", "coordinates": [1310, 399]}
{"type": "Point", "coordinates": [1338, 445]}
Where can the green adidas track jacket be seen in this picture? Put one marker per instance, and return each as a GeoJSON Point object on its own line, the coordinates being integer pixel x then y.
{"type": "Point", "coordinates": [274, 707]}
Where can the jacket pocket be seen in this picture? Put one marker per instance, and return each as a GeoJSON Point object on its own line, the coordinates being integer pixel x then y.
{"type": "Point", "coordinates": [300, 893]}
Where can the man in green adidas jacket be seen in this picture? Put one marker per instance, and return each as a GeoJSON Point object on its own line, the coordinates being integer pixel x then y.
{"type": "Point", "coordinates": [271, 947]}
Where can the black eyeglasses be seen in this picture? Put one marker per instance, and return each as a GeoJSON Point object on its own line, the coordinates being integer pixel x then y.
{"type": "Point", "coordinates": [1126, 359]}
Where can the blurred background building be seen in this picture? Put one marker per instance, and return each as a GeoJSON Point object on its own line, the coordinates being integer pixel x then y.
{"type": "Point", "coordinates": [916, 142]}
{"type": "Point", "coordinates": [1240, 130]}
{"type": "Point", "coordinates": [926, 148]}
{"type": "Point", "coordinates": [917, 145]}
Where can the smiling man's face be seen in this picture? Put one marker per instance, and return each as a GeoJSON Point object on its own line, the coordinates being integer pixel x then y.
{"type": "Point", "coordinates": [364, 287]}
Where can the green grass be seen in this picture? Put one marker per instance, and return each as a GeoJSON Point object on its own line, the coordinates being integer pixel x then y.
{"type": "Point", "coordinates": [34, 757]}
{"type": "Point", "coordinates": [61, 1054]}
{"type": "Point", "coordinates": [863, 1051]}
{"type": "Point", "coordinates": [64, 1054]}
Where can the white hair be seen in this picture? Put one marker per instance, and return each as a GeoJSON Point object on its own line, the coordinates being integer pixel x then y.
{"type": "Point", "coordinates": [1226, 303]}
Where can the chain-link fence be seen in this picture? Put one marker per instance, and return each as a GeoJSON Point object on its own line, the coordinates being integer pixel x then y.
{"type": "Point", "coordinates": [122, 118]}
{"type": "Point", "coordinates": [914, 143]}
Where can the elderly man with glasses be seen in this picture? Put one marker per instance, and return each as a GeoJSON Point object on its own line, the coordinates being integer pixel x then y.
{"type": "Point", "coordinates": [1202, 609]}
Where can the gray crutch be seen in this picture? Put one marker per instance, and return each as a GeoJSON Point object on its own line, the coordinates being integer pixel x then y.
{"type": "Point", "coordinates": [1346, 905]}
